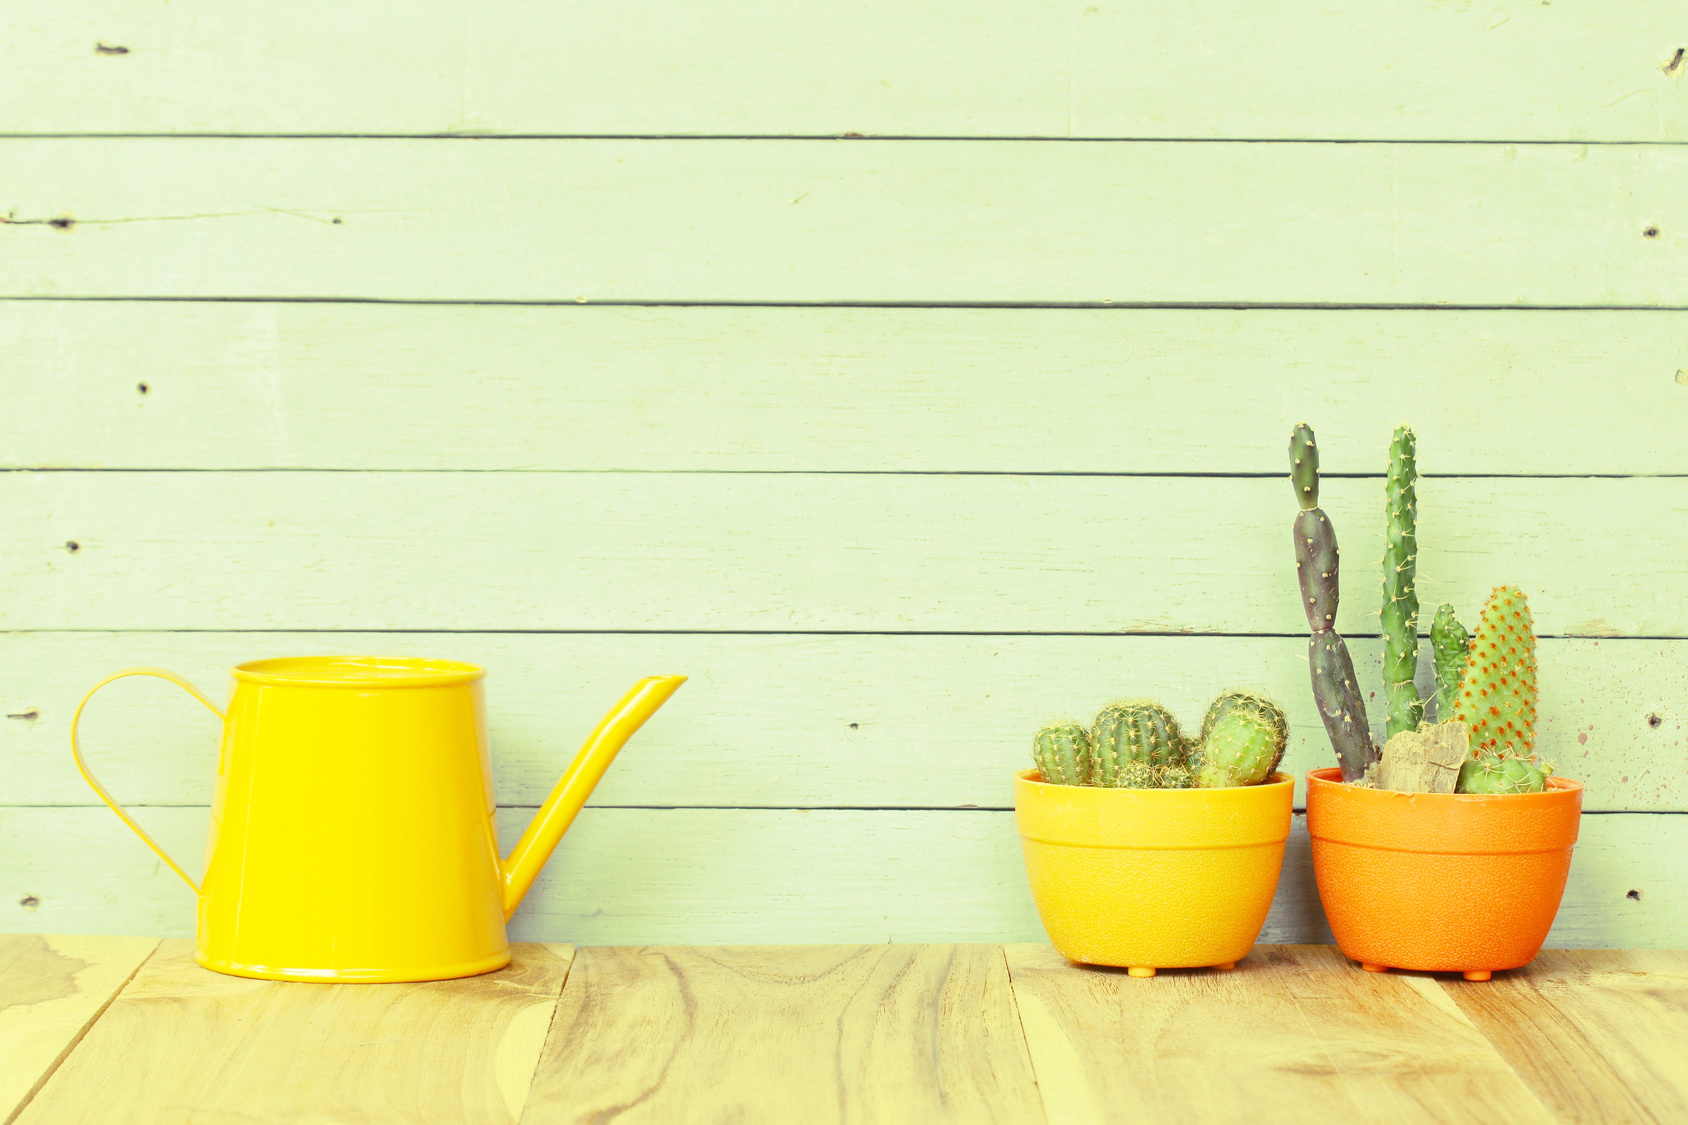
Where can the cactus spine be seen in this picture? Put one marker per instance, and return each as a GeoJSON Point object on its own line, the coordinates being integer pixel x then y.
{"type": "Point", "coordinates": [1328, 661]}
{"type": "Point", "coordinates": [1400, 597]}
{"type": "Point", "coordinates": [1136, 730]}
{"type": "Point", "coordinates": [1062, 754]}
{"type": "Point", "coordinates": [1243, 739]}
{"type": "Point", "coordinates": [1450, 644]}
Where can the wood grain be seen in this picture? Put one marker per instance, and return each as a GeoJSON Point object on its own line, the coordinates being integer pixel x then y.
{"type": "Point", "coordinates": [1600, 1035]}
{"type": "Point", "coordinates": [700, 876]}
{"type": "Point", "coordinates": [1490, 69]}
{"type": "Point", "coordinates": [805, 553]}
{"type": "Point", "coordinates": [369, 386]}
{"type": "Point", "coordinates": [797, 721]}
{"type": "Point", "coordinates": [52, 989]}
{"type": "Point", "coordinates": [886, 1033]}
{"type": "Point", "coordinates": [1294, 1035]}
{"type": "Point", "coordinates": [827, 222]}
{"type": "Point", "coordinates": [182, 1043]}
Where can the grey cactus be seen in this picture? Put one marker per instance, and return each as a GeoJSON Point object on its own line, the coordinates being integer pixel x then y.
{"type": "Point", "coordinates": [1330, 666]}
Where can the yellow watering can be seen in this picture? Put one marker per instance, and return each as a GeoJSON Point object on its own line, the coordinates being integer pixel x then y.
{"type": "Point", "coordinates": [352, 830]}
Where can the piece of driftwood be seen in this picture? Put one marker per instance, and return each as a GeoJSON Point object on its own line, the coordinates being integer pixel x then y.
{"type": "Point", "coordinates": [1426, 760]}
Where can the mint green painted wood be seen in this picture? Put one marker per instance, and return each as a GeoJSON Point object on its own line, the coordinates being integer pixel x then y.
{"type": "Point", "coordinates": [698, 876]}
{"type": "Point", "coordinates": [928, 222]}
{"type": "Point", "coordinates": [805, 553]}
{"type": "Point", "coordinates": [796, 721]}
{"type": "Point", "coordinates": [1408, 69]}
{"type": "Point", "coordinates": [980, 390]}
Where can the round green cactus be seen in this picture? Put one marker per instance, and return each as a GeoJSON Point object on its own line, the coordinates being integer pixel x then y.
{"type": "Point", "coordinates": [1243, 739]}
{"type": "Point", "coordinates": [1493, 773]}
{"type": "Point", "coordinates": [1137, 775]}
{"type": "Point", "coordinates": [1175, 776]}
{"type": "Point", "coordinates": [1062, 754]}
{"type": "Point", "coordinates": [1134, 730]}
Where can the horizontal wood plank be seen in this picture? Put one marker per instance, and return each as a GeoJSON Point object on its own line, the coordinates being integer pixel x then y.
{"type": "Point", "coordinates": [1598, 1034]}
{"type": "Point", "coordinates": [183, 1044]}
{"type": "Point", "coordinates": [1406, 69]}
{"type": "Point", "coordinates": [759, 876]}
{"type": "Point", "coordinates": [797, 721]}
{"type": "Point", "coordinates": [1299, 1035]}
{"type": "Point", "coordinates": [52, 989]}
{"type": "Point", "coordinates": [806, 553]}
{"type": "Point", "coordinates": [928, 222]}
{"type": "Point", "coordinates": [877, 1033]}
{"type": "Point", "coordinates": [359, 386]}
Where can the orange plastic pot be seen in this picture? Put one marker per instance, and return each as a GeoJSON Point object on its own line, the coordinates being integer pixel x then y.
{"type": "Point", "coordinates": [1443, 882]}
{"type": "Point", "coordinates": [1153, 878]}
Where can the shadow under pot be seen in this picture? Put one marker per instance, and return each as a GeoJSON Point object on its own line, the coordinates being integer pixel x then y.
{"type": "Point", "coordinates": [1153, 878]}
{"type": "Point", "coordinates": [1440, 882]}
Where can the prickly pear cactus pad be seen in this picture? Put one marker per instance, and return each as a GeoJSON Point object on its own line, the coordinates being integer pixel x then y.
{"type": "Point", "coordinates": [1134, 730]}
{"type": "Point", "coordinates": [1243, 739]}
{"type": "Point", "coordinates": [1497, 697]}
{"type": "Point", "coordinates": [1062, 754]}
{"type": "Point", "coordinates": [1316, 563]}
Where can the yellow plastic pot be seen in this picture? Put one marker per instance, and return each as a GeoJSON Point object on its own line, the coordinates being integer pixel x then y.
{"type": "Point", "coordinates": [1153, 878]}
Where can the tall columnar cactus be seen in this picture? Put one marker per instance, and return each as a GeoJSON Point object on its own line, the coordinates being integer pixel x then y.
{"type": "Point", "coordinates": [1135, 730]}
{"type": "Point", "coordinates": [1243, 739]}
{"type": "Point", "coordinates": [1316, 564]}
{"type": "Point", "coordinates": [1062, 754]}
{"type": "Point", "coordinates": [1497, 698]}
{"type": "Point", "coordinates": [1400, 597]}
{"type": "Point", "coordinates": [1450, 643]}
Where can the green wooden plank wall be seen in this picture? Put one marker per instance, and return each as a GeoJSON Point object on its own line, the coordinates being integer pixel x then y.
{"type": "Point", "coordinates": [587, 341]}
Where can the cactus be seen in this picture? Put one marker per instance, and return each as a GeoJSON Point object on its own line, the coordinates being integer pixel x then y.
{"type": "Point", "coordinates": [1176, 776]}
{"type": "Point", "coordinates": [1497, 696]}
{"type": "Point", "coordinates": [1243, 738]}
{"type": "Point", "coordinates": [1492, 773]}
{"type": "Point", "coordinates": [1400, 598]}
{"type": "Point", "coordinates": [1062, 754]}
{"type": "Point", "coordinates": [1330, 666]}
{"type": "Point", "coordinates": [1136, 774]}
{"type": "Point", "coordinates": [1450, 643]}
{"type": "Point", "coordinates": [1135, 730]}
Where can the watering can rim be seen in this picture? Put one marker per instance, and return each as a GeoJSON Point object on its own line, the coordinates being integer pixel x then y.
{"type": "Point", "coordinates": [346, 671]}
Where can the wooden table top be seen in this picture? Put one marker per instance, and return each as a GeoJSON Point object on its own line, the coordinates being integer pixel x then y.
{"type": "Point", "coordinates": [130, 1029]}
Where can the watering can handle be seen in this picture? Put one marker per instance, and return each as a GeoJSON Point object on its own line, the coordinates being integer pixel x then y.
{"type": "Point", "coordinates": [76, 751]}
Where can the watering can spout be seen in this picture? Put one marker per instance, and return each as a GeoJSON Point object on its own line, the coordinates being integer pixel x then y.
{"type": "Point", "coordinates": [558, 812]}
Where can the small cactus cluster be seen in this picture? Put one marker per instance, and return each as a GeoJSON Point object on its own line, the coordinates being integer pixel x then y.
{"type": "Point", "coordinates": [1486, 681]}
{"type": "Point", "coordinates": [1137, 744]}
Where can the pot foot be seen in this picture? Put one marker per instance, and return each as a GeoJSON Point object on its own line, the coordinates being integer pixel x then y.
{"type": "Point", "coordinates": [1141, 970]}
{"type": "Point", "coordinates": [1225, 968]}
{"type": "Point", "coordinates": [1478, 974]}
{"type": "Point", "coordinates": [1371, 968]}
